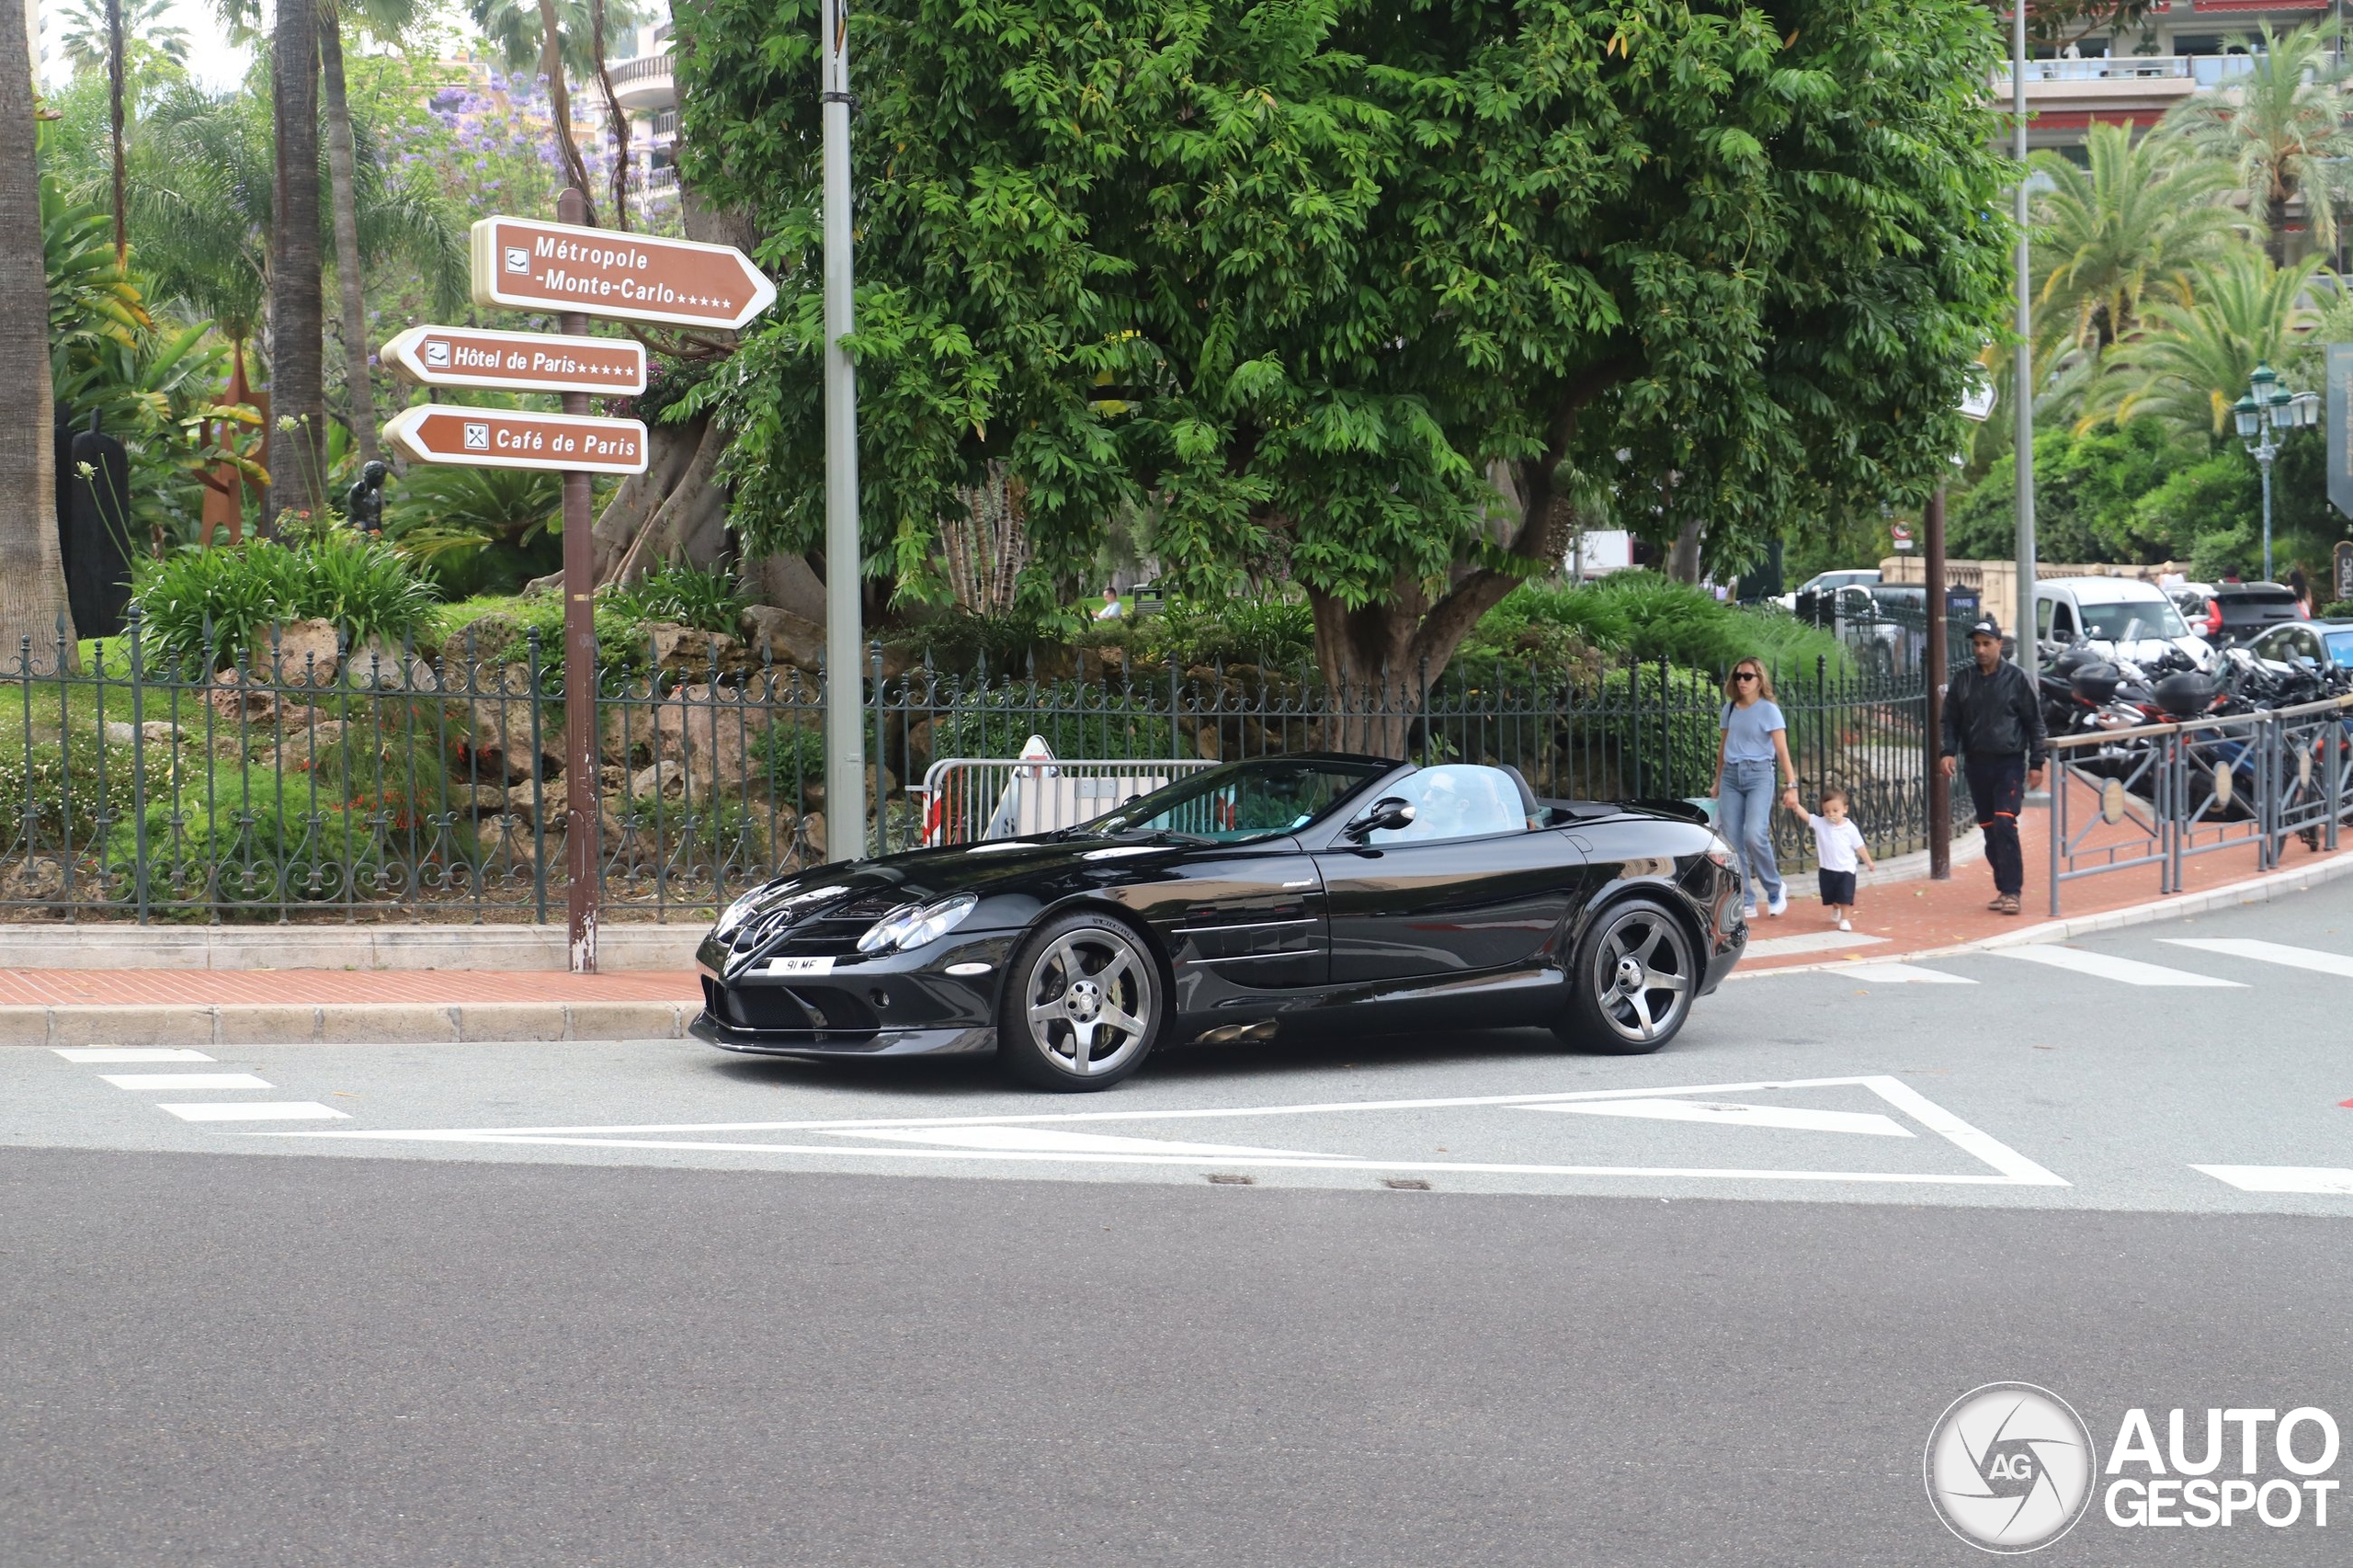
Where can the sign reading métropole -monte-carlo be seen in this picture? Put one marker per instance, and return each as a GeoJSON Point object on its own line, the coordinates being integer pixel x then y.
{"type": "Point", "coordinates": [508, 438]}
{"type": "Point", "coordinates": [518, 361]}
{"type": "Point", "coordinates": [523, 264]}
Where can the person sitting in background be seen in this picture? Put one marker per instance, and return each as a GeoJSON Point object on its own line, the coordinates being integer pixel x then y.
{"type": "Point", "coordinates": [1111, 610]}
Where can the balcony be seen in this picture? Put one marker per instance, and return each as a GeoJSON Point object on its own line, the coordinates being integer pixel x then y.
{"type": "Point", "coordinates": [2068, 96]}
{"type": "Point", "coordinates": [645, 86]}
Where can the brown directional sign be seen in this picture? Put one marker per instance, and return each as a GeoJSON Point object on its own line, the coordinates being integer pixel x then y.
{"type": "Point", "coordinates": [523, 264]}
{"type": "Point", "coordinates": [518, 361]}
{"type": "Point", "coordinates": [506, 438]}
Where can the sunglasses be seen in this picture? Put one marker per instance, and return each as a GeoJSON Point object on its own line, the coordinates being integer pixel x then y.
{"type": "Point", "coordinates": [1743, 675]}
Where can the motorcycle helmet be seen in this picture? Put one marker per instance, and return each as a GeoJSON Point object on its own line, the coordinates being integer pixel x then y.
{"type": "Point", "coordinates": [2185, 694]}
{"type": "Point", "coordinates": [2096, 681]}
{"type": "Point", "coordinates": [2070, 660]}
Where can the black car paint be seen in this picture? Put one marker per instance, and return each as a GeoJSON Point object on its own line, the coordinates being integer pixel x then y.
{"type": "Point", "coordinates": [1419, 931]}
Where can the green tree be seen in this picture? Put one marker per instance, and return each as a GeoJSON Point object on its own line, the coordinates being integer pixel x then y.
{"type": "Point", "coordinates": [2203, 342]}
{"type": "Point", "coordinates": [2281, 130]}
{"type": "Point", "coordinates": [2138, 215]}
{"type": "Point", "coordinates": [83, 38]}
{"type": "Point", "coordinates": [1361, 291]}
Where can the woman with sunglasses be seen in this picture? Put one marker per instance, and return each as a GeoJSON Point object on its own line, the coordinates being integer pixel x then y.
{"type": "Point", "coordinates": [1755, 746]}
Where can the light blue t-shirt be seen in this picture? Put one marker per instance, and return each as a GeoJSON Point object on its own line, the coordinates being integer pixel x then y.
{"type": "Point", "coordinates": [1748, 732]}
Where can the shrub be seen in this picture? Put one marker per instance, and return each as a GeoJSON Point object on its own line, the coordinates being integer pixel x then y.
{"type": "Point", "coordinates": [1643, 615]}
{"type": "Point", "coordinates": [238, 834]}
{"type": "Point", "coordinates": [2337, 609]}
{"type": "Point", "coordinates": [218, 601]}
{"type": "Point", "coordinates": [708, 601]}
{"type": "Point", "coordinates": [1080, 722]}
{"type": "Point", "coordinates": [472, 530]}
{"type": "Point", "coordinates": [1265, 630]}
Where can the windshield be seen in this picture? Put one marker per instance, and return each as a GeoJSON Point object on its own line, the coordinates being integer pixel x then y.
{"type": "Point", "coordinates": [2133, 619]}
{"type": "Point", "coordinates": [2340, 647]}
{"type": "Point", "coordinates": [1240, 801]}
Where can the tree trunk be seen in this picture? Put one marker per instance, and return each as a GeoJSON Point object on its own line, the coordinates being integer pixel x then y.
{"type": "Point", "coordinates": [1381, 659]}
{"type": "Point", "coordinates": [616, 118]}
{"type": "Point", "coordinates": [32, 579]}
{"type": "Point", "coordinates": [114, 130]}
{"type": "Point", "coordinates": [297, 328]}
{"type": "Point", "coordinates": [567, 151]}
{"type": "Point", "coordinates": [348, 275]}
{"type": "Point", "coordinates": [2275, 213]}
{"type": "Point", "coordinates": [1683, 561]}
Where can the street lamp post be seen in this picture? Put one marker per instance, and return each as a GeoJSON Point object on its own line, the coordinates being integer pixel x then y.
{"type": "Point", "coordinates": [2267, 409]}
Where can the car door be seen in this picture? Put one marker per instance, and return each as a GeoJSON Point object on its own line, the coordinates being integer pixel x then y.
{"type": "Point", "coordinates": [1466, 887]}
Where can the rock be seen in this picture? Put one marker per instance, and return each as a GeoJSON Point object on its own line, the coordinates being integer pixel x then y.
{"type": "Point", "coordinates": [499, 720]}
{"type": "Point", "coordinates": [687, 650]}
{"type": "Point", "coordinates": [712, 730]}
{"type": "Point", "coordinates": [33, 882]}
{"type": "Point", "coordinates": [238, 695]}
{"type": "Point", "coordinates": [1205, 741]}
{"type": "Point", "coordinates": [119, 733]}
{"type": "Point", "coordinates": [301, 653]}
{"type": "Point", "coordinates": [482, 641]}
{"type": "Point", "coordinates": [483, 799]}
{"type": "Point", "coordinates": [662, 779]}
{"type": "Point", "coordinates": [160, 733]}
{"type": "Point", "coordinates": [787, 638]}
{"type": "Point", "coordinates": [300, 749]}
{"type": "Point", "coordinates": [523, 801]}
{"type": "Point", "coordinates": [377, 665]}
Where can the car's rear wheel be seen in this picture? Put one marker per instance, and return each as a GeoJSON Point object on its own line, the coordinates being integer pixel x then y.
{"type": "Point", "coordinates": [1631, 987]}
{"type": "Point", "coordinates": [1083, 1004]}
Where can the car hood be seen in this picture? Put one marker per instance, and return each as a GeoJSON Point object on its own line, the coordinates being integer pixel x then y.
{"type": "Point", "coordinates": [919, 875]}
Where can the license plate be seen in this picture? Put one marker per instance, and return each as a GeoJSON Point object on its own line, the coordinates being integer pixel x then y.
{"type": "Point", "coordinates": [801, 966]}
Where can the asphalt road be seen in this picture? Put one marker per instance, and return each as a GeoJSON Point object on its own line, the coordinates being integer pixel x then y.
{"type": "Point", "coordinates": [967, 1330]}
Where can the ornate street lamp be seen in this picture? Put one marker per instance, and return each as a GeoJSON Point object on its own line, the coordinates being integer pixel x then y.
{"type": "Point", "coordinates": [2267, 409]}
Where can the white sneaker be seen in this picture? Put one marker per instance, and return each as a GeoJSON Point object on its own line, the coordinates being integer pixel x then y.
{"type": "Point", "coordinates": [1845, 925]}
{"type": "Point", "coordinates": [1779, 906]}
{"type": "Point", "coordinates": [1748, 912]}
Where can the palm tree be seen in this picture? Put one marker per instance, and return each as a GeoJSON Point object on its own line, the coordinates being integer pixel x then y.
{"type": "Point", "coordinates": [84, 38]}
{"type": "Point", "coordinates": [297, 325]}
{"type": "Point", "coordinates": [32, 579]}
{"type": "Point", "coordinates": [2204, 340]}
{"type": "Point", "coordinates": [2136, 215]}
{"type": "Point", "coordinates": [2280, 128]}
{"type": "Point", "coordinates": [518, 30]}
{"type": "Point", "coordinates": [384, 17]}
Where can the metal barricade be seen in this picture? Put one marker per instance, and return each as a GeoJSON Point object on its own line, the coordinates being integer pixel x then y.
{"type": "Point", "coordinates": [2162, 794]}
{"type": "Point", "coordinates": [970, 799]}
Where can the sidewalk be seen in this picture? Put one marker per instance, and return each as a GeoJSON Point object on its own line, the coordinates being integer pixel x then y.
{"type": "Point", "coordinates": [1915, 917]}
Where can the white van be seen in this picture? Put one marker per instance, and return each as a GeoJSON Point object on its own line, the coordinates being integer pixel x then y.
{"type": "Point", "coordinates": [2120, 618]}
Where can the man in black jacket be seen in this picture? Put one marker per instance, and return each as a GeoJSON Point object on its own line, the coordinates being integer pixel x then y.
{"type": "Point", "coordinates": [1994, 722]}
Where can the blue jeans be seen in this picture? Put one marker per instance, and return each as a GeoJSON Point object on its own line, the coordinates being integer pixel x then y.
{"type": "Point", "coordinates": [1744, 816]}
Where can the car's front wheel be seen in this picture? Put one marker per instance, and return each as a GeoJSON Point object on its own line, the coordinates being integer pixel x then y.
{"type": "Point", "coordinates": [1082, 1006]}
{"type": "Point", "coordinates": [1631, 987]}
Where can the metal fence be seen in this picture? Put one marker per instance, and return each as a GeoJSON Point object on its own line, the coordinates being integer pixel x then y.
{"type": "Point", "coordinates": [383, 785]}
{"type": "Point", "coordinates": [2164, 794]}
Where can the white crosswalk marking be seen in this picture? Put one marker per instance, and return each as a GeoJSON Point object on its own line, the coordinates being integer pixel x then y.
{"type": "Point", "coordinates": [2107, 966]}
{"type": "Point", "coordinates": [259, 1110]}
{"type": "Point", "coordinates": [1898, 974]}
{"type": "Point", "coordinates": [1798, 1118]}
{"type": "Point", "coordinates": [2269, 952]}
{"type": "Point", "coordinates": [2327, 1180]}
{"type": "Point", "coordinates": [95, 1053]}
{"type": "Point", "coordinates": [187, 1081]}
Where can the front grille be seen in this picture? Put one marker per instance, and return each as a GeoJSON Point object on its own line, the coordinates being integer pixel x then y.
{"type": "Point", "coordinates": [836, 1014]}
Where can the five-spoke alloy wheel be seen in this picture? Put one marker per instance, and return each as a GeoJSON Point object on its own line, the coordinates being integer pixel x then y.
{"type": "Point", "coordinates": [1082, 1004]}
{"type": "Point", "coordinates": [1634, 979]}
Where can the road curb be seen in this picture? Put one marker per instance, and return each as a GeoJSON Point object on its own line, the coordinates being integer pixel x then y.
{"type": "Point", "coordinates": [2255, 889]}
{"type": "Point", "coordinates": [348, 1022]}
{"type": "Point", "coordinates": [621, 947]}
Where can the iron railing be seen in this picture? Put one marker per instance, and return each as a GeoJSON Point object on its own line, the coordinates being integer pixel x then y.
{"type": "Point", "coordinates": [2162, 794]}
{"type": "Point", "coordinates": [384, 785]}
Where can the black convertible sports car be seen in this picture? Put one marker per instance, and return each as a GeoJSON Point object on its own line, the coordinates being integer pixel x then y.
{"type": "Point", "coordinates": [1254, 897]}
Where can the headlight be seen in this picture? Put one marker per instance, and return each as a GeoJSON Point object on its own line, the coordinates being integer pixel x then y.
{"type": "Point", "coordinates": [903, 930]}
{"type": "Point", "coordinates": [1719, 851]}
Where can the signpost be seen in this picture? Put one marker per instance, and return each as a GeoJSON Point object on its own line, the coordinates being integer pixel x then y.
{"type": "Point", "coordinates": [577, 272]}
{"type": "Point", "coordinates": [518, 361]}
{"type": "Point", "coordinates": [508, 438]}
{"type": "Point", "coordinates": [522, 264]}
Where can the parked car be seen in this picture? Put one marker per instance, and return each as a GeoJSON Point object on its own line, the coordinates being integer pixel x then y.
{"type": "Point", "coordinates": [1830, 583]}
{"type": "Point", "coordinates": [2238, 612]}
{"type": "Point", "coordinates": [2121, 618]}
{"type": "Point", "coordinates": [1273, 895]}
{"type": "Point", "coordinates": [2328, 644]}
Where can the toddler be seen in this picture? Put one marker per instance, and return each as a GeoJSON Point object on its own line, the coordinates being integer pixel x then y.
{"type": "Point", "coordinates": [1838, 844]}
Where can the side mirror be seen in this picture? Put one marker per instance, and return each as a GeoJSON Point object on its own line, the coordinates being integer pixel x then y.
{"type": "Point", "coordinates": [1386, 815]}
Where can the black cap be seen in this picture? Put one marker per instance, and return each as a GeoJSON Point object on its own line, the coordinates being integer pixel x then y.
{"type": "Point", "coordinates": [1987, 626]}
